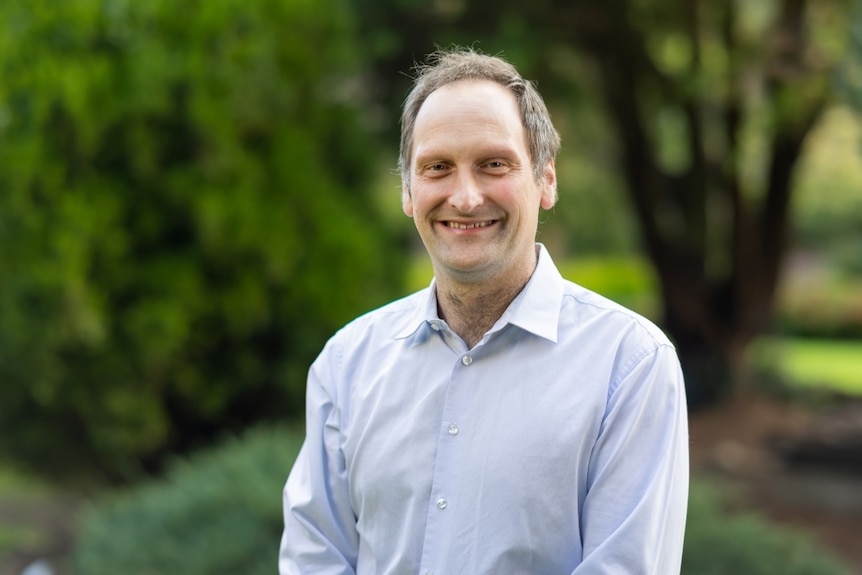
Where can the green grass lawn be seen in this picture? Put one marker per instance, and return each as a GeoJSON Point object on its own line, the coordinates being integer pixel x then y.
{"type": "Point", "coordinates": [832, 364]}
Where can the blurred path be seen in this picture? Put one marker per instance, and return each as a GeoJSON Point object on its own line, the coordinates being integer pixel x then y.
{"type": "Point", "coordinates": [42, 523]}
{"type": "Point", "coordinates": [736, 445]}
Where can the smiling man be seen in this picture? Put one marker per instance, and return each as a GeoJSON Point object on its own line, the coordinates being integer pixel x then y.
{"type": "Point", "coordinates": [503, 420]}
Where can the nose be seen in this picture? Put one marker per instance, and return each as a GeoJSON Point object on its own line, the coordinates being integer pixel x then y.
{"type": "Point", "coordinates": [467, 195]}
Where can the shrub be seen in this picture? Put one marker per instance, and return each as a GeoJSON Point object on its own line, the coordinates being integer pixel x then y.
{"type": "Point", "coordinates": [220, 512]}
{"type": "Point", "coordinates": [827, 211]}
{"type": "Point", "coordinates": [827, 308]}
{"type": "Point", "coordinates": [217, 512]}
{"type": "Point", "coordinates": [808, 369]}
{"type": "Point", "coordinates": [718, 543]}
{"type": "Point", "coordinates": [184, 219]}
{"type": "Point", "coordinates": [628, 280]}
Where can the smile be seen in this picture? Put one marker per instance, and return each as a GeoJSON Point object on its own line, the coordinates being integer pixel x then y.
{"type": "Point", "coordinates": [470, 226]}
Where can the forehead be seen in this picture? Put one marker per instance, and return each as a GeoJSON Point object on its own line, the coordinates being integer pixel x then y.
{"type": "Point", "coordinates": [469, 110]}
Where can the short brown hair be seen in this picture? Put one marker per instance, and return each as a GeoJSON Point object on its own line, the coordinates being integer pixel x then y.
{"type": "Point", "coordinates": [448, 66]}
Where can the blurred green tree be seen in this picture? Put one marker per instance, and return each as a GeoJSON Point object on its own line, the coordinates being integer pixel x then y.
{"type": "Point", "coordinates": [185, 216]}
{"type": "Point", "coordinates": [850, 76]}
{"type": "Point", "coordinates": [711, 104]}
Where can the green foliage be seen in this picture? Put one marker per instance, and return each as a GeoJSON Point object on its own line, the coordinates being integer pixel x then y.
{"type": "Point", "coordinates": [718, 543]}
{"type": "Point", "coordinates": [821, 305]}
{"type": "Point", "coordinates": [185, 217]}
{"type": "Point", "coordinates": [591, 215]}
{"type": "Point", "coordinates": [220, 512]}
{"type": "Point", "coordinates": [217, 512]}
{"type": "Point", "coordinates": [629, 281]}
{"type": "Point", "coordinates": [828, 211]}
{"type": "Point", "coordinates": [825, 365]}
{"type": "Point", "coordinates": [849, 78]}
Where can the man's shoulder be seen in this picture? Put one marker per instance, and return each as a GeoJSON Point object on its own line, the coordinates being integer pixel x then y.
{"type": "Point", "coordinates": [389, 319]}
{"type": "Point", "coordinates": [582, 306]}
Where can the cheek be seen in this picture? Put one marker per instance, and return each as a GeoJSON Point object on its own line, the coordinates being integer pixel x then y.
{"type": "Point", "coordinates": [523, 200]}
{"type": "Point", "coordinates": [424, 198]}
{"type": "Point", "coordinates": [505, 193]}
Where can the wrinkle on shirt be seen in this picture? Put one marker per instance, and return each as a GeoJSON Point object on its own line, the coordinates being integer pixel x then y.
{"type": "Point", "coordinates": [555, 445]}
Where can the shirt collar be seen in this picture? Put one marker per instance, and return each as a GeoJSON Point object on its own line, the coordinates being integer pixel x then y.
{"type": "Point", "coordinates": [536, 309]}
{"type": "Point", "coordinates": [424, 313]}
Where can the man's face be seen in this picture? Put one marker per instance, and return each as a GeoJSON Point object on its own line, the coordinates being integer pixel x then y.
{"type": "Point", "coordinates": [473, 195]}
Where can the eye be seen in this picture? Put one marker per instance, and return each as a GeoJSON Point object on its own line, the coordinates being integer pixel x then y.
{"type": "Point", "coordinates": [436, 169]}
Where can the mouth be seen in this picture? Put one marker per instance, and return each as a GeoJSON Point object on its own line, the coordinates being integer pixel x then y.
{"type": "Point", "coordinates": [470, 225]}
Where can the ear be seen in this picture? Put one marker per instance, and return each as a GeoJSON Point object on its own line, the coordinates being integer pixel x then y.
{"type": "Point", "coordinates": [549, 186]}
{"type": "Point", "coordinates": [406, 199]}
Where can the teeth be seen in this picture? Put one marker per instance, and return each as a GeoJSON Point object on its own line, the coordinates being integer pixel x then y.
{"type": "Point", "coordinates": [472, 226]}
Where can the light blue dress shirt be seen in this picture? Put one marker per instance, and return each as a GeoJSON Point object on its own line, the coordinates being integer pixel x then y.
{"type": "Point", "coordinates": [557, 445]}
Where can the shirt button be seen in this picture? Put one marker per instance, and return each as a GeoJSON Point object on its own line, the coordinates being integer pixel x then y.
{"type": "Point", "coordinates": [453, 429]}
{"type": "Point", "coordinates": [466, 360]}
{"type": "Point", "coordinates": [435, 326]}
{"type": "Point", "coordinates": [441, 503]}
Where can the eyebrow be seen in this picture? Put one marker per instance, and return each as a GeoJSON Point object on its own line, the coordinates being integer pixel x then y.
{"type": "Point", "coordinates": [433, 155]}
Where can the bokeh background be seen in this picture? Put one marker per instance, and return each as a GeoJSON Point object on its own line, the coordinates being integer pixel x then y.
{"type": "Point", "coordinates": [195, 195]}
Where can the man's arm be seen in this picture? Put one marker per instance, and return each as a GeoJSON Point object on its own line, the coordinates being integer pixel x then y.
{"type": "Point", "coordinates": [319, 525]}
{"type": "Point", "coordinates": [633, 518]}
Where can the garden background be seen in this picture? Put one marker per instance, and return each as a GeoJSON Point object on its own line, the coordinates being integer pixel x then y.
{"type": "Point", "coordinates": [194, 196]}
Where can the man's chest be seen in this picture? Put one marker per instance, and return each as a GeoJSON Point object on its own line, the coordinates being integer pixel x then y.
{"type": "Point", "coordinates": [471, 434]}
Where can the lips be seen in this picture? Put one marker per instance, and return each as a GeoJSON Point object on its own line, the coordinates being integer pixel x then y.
{"type": "Point", "coordinates": [469, 225]}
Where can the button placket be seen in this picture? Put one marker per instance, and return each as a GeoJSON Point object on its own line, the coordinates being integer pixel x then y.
{"type": "Point", "coordinates": [441, 512]}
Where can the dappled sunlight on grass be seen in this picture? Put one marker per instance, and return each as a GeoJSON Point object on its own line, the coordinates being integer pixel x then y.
{"type": "Point", "coordinates": [824, 363]}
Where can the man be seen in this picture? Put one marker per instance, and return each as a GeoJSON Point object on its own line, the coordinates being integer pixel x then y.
{"type": "Point", "coordinates": [504, 420]}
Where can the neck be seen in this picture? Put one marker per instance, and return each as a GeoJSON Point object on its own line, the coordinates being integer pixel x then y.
{"type": "Point", "coordinates": [471, 310]}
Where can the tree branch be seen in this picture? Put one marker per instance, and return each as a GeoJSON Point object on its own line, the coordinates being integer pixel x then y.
{"type": "Point", "coordinates": [799, 95]}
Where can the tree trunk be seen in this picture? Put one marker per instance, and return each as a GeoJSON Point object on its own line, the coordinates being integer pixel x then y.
{"type": "Point", "coordinates": [712, 312]}
{"type": "Point", "coordinates": [715, 238]}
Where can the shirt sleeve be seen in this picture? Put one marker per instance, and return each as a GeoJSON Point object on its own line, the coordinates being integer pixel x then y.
{"type": "Point", "coordinates": [634, 512]}
{"type": "Point", "coordinates": [319, 524]}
